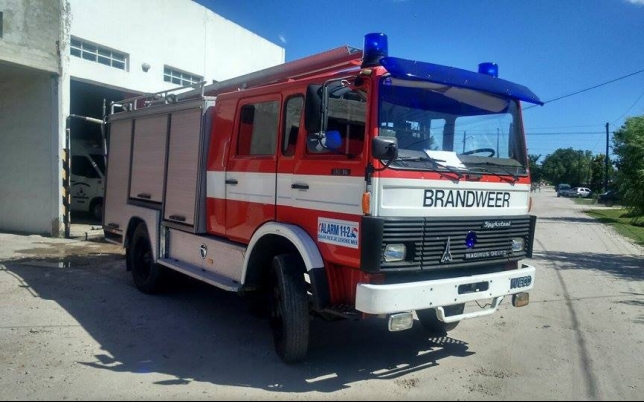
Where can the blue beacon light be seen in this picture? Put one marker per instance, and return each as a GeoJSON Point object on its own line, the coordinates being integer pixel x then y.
{"type": "Point", "coordinates": [489, 69]}
{"type": "Point", "coordinates": [471, 239]}
{"type": "Point", "coordinates": [375, 48]}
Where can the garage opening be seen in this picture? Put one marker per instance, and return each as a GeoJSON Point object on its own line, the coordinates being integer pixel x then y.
{"type": "Point", "coordinates": [87, 178]}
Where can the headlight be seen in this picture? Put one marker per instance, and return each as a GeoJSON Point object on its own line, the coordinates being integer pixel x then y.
{"type": "Point", "coordinates": [518, 244]}
{"type": "Point", "coordinates": [395, 252]}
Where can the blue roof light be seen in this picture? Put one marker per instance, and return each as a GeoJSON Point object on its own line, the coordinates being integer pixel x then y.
{"type": "Point", "coordinates": [489, 69]}
{"type": "Point", "coordinates": [375, 48]}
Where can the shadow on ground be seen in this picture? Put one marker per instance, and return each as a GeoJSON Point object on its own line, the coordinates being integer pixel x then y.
{"type": "Point", "coordinates": [195, 332]}
{"type": "Point", "coordinates": [629, 267]}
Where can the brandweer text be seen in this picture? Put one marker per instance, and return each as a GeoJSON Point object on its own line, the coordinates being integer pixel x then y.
{"type": "Point", "coordinates": [466, 199]}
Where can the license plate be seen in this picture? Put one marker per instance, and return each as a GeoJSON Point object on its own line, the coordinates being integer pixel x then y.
{"type": "Point", "coordinates": [521, 282]}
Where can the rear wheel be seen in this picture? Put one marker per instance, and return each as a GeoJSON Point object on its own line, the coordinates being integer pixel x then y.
{"type": "Point", "coordinates": [430, 321]}
{"type": "Point", "coordinates": [147, 275]}
{"type": "Point", "coordinates": [289, 308]}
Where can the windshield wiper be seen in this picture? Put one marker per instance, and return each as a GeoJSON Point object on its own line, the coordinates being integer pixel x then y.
{"type": "Point", "coordinates": [436, 162]}
{"type": "Point", "coordinates": [503, 175]}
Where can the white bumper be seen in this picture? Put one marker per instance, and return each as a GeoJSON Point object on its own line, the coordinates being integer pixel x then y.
{"type": "Point", "coordinates": [395, 298]}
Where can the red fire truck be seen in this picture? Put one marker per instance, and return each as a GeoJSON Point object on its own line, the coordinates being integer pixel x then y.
{"type": "Point", "coordinates": [348, 184]}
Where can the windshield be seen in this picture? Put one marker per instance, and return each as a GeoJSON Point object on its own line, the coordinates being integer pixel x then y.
{"type": "Point", "coordinates": [458, 128]}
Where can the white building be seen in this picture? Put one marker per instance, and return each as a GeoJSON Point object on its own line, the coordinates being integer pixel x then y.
{"type": "Point", "coordinates": [62, 57]}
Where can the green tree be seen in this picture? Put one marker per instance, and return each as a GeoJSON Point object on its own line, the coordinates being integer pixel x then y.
{"type": "Point", "coordinates": [568, 166]}
{"type": "Point", "coordinates": [628, 145]}
{"type": "Point", "coordinates": [536, 171]}
{"type": "Point", "coordinates": [598, 172]}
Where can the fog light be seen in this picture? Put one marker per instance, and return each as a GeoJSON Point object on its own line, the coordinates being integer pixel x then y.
{"type": "Point", "coordinates": [401, 321]}
{"type": "Point", "coordinates": [395, 252]}
{"type": "Point", "coordinates": [518, 244]}
{"type": "Point", "coordinates": [520, 299]}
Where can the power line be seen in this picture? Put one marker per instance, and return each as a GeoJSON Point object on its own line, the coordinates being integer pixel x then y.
{"type": "Point", "coordinates": [568, 133]}
{"type": "Point", "coordinates": [587, 89]}
{"type": "Point", "coordinates": [560, 127]}
{"type": "Point", "coordinates": [628, 110]}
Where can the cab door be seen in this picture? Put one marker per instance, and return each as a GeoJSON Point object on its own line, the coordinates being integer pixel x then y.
{"type": "Point", "coordinates": [251, 174]}
{"type": "Point", "coordinates": [327, 180]}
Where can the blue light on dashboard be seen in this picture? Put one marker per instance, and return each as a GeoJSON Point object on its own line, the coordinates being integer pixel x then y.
{"type": "Point", "coordinates": [489, 69]}
{"type": "Point", "coordinates": [471, 239]}
{"type": "Point", "coordinates": [375, 48]}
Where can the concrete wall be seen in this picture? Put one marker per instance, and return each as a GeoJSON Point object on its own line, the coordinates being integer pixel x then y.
{"type": "Point", "coordinates": [29, 177]}
{"type": "Point", "coordinates": [33, 90]}
{"type": "Point", "coordinates": [31, 29]}
{"type": "Point", "coordinates": [181, 34]}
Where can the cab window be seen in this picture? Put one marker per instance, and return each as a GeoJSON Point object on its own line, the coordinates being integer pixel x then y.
{"type": "Point", "coordinates": [258, 129]}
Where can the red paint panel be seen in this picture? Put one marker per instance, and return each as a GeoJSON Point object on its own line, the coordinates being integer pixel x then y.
{"type": "Point", "coordinates": [216, 216]}
{"type": "Point", "coordinates": [243, 218]}
{"type": "Point", "coordinates": [343, 282]}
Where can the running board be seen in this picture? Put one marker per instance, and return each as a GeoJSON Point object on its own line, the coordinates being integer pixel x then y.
{"type": "Point", "coordinates": [201, 274]}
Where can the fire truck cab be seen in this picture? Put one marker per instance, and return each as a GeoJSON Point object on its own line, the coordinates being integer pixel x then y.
{"type": "Point", "coordinates": [347, 184]}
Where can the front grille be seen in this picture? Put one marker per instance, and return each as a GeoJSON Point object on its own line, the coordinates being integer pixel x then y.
{"type": "Point", "coordinates": [426, 241]}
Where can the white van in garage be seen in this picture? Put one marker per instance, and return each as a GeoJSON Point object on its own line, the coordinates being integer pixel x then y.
{"type": "Point", "coordinates": [88, 178]}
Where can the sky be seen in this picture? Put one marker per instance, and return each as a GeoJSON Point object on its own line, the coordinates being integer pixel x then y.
{"type": "Point", "coordinates": [554, 47]}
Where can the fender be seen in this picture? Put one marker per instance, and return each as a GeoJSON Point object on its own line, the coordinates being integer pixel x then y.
{"type": "Point", "coordinates": [296, 235]}
{"type": "Point", "coordinates": [307, 249]}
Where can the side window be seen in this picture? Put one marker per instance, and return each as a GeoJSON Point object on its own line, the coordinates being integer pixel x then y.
{"type": "Point", "coordinates": [81, 166]}
{"type": "Point", "coordinates": [347, 115]}
{"type": "Point", "coordinates": [292, 117]}
{"type": "Point", "coordinates": [258, 129]}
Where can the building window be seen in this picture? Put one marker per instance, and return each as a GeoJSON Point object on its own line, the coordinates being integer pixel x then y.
{"type": "Point", "coordinates": [180, 77]}
{"type": "Point", "coordinates": [98, 54]}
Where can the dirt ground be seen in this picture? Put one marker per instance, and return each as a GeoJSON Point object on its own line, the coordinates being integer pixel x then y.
{"type": "Point", "coordinates": [72, 326]}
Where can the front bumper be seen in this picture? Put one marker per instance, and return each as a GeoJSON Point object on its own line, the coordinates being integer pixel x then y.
{"type": "Point", "coordinates": [395, 298]}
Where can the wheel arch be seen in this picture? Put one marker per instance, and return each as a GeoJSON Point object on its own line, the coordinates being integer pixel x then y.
{"type": "Point", "coordinates": [273, 239]}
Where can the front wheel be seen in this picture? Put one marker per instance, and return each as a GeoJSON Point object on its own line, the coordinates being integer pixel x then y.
{"type": "Point", "coordinates": [430, 321]}
{"type": "Point", "coordinates": [289, 309]}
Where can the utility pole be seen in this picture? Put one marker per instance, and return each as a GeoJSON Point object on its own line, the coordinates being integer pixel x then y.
{"type": "Point", "coordinates": [464, 138]}
{"type": "Point", "coordinates": [579, 169]}
{"type": "Point", "coordinates": [606, 160]}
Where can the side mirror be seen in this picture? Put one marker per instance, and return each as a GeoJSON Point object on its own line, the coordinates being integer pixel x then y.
{"type": "Point", "coordinates": [313, 109]}
{"type": "Point", "coordinates": [385, 148]}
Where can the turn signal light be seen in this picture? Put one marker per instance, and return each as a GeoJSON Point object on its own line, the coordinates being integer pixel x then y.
{"type": "Point", "coordinates": [366, 203]}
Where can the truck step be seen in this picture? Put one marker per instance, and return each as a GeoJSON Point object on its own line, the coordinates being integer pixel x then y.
{"type": "Point", "coordinates": [201, 274]}
{"type": "Point", "coordinates": [343, 310]}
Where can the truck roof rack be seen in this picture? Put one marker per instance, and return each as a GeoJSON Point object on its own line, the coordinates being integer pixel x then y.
{"type": "Point", "coordinates": [334, 59]}
{"type": "Point", "coordinates": [343, 56]}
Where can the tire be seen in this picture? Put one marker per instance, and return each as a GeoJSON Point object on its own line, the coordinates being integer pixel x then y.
{"type": "Point", "coordinates": [147, 275]}
{"type": "Point", "coordinates": [289, 309]}
{"type": "Point", "coordinates": [430, 321]}
{"type": "Point", "coordinates": [97, 210]}
{"type": "Point", "coordinates": [610, 203]}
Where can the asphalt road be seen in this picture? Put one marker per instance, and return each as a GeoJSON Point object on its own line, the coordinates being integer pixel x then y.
{"type": "Point", "coordinates": [80, 330]}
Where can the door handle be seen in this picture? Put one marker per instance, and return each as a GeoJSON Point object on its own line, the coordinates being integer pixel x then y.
{"type": "Point", "coordinates": [300, 186]}
{"type": "Point", "coordinates": [231, 181]}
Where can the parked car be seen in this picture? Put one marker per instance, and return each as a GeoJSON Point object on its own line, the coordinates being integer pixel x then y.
{"type": "Point", "coordinates": [608, 198]}
{"type": "Point", "coordinates": [562, 190]}
{"type": "Point", "coordinates": [579, 192]}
